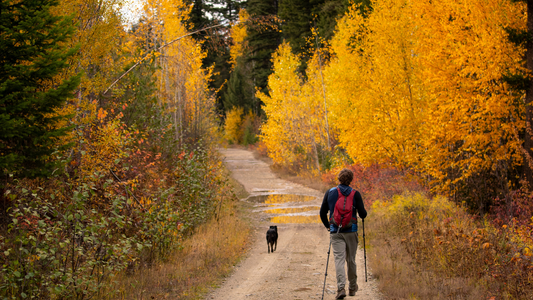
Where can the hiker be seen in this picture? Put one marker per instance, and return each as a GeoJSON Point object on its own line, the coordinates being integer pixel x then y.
{"type": "Point", "coordinates": [345, 240]}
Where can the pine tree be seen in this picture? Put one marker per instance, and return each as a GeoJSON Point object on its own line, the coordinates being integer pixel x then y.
{"type": "Point", "coordinates": [297, 16]}
{"type": "Point", "coordinates": [238, 92]}
{"type": "Point", "coordinates": [207, 13]}
{"type": "Point", "coordinates": [263, 39]}
{"type": "Point", "coordinates": [31, 55]}
{"type": "Point", "coordinates": [328, 13]}
{"type": "Point", "coordinates": [227, 10]}
{"type": "Point", "coordinates": [300, 16]}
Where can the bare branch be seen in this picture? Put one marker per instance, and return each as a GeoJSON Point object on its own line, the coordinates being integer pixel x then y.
{"type": "Point", "coordinates": [148, 55]}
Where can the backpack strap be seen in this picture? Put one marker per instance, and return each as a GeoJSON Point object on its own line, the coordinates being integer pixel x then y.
{"type": "Point", "coordinates": [339, 194]}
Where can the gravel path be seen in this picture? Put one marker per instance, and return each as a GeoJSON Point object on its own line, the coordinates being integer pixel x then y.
{"type": "Point", "coordinates": [296, 269]}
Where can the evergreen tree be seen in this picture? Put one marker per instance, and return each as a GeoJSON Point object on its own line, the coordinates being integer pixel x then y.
{"type": "Point", "coordinates": [264, 37]}
{"type": "Point", "coordinates": [31, 56]}
{"type": "Point", "coordinates": [300, 16]}
{"type": "Point", "coordinates": [227, 10]}
{"type": "Point", "coordinates": [329, 11]}
{"type": "Point", "coordinates": [238, 92]}
{"type": "Point", "coordinates": [297, 16]}
{"type": "Point", "coordinates": [198, 15]}
{"type": "Point", "coordinates": [207, 13]}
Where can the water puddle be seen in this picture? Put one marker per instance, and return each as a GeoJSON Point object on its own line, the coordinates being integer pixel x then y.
{"type": "Point", "coordinates": [288, 208]}
{"type": "Point", "coordinates": [296, 219]}
{"type": "Point", "coordinates": [280, 198]}
{"type": "Point", "coordinates": [292, 210]}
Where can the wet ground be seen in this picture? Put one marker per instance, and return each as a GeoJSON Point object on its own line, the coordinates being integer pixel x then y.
{"type": "Point", "coordinates": [287, 208]}
{"type": "Point", "coordinates": [296, 269]}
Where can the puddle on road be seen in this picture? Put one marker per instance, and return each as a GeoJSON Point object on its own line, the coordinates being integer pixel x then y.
{"type": "Point", "coordinates": [292, 210]}
{"type": "Point", "coordinates": [280, 198]}
{"type": "Point", "coordinates": [296, 219]}
{"type": "Point", "coordinates": [288, 208]}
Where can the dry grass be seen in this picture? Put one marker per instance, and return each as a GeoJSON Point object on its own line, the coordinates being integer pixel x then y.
{"type": "Point", "coordinates": [424, 248]}
{"type": "Point", "coordinates": [400, 277]}
{"type": "Point", "coordinates": [207, 256]}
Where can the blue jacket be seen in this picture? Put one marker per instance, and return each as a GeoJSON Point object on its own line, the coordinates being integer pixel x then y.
{"type": "Point", "coordinates": [328, 204]}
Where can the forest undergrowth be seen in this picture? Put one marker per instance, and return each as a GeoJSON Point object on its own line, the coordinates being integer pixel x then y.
{"type": "Point", "coordinates": [208, 254]}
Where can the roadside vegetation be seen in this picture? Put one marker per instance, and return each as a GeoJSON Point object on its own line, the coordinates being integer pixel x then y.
{"type": "Point", "coordinates": [197, 265]}
{"type": "Point", "coordinates": [109, 168]}
{"type": "Point", "coordinates": [447, 252]}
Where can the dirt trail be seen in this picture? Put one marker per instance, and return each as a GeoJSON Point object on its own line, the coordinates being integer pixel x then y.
{"type": "Point", "coordinates": [296, 269]}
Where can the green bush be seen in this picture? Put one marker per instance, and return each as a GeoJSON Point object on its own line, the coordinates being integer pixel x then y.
{"type": "Point", "coordinates": [64, 249]}
{"type": "Point", "coordinates": [69, 241]}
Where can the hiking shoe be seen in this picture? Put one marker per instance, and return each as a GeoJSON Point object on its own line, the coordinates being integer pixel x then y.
{"type": "Point", "coordinates": [341, 294]}
{"type": "Point", "coordinates": [352, 292]}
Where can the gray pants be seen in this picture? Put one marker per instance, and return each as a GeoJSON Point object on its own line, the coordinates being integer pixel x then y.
{"type": "Point", "coordinates": [344, 249]}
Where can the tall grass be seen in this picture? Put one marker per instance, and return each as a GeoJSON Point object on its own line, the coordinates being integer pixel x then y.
{"type": "Point", "coordinates": [424, 248]}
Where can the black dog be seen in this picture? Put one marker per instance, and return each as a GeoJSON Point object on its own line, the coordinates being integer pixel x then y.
{"type": "Point", "coordinates": [272, 238]}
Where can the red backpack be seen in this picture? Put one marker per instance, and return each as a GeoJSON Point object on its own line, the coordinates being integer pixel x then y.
{"type": "Point", "coordinates": [343, 213]}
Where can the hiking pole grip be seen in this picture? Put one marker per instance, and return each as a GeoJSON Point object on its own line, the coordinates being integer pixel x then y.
{"type": "Point", "coordinates": [364, 248]}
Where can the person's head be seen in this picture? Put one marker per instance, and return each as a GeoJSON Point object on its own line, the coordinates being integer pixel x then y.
{"type": "Point", "coordinates": [345, 176]}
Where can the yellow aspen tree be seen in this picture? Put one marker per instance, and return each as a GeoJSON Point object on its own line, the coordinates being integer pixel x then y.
{"type": "Point", "coordinates": [474, 117]}
{"type": "Point", "coordinates": [233, 131]}
{"type": "Point", "coordinates": [99, 34]}
{"type": "Point", "coordinates": [314, 106]}
{"type": "Point", "coordinates": [378, 102]}
{"type": "Point", "coordinates": [281, 132]}
{"type": "Point", "coordinates": [238, 34]}
{"type": "Point", "coordinates": [182, 80]}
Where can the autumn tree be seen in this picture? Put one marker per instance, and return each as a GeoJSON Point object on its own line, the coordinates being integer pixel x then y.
{"type": "Point", "coordinates": [475, 117]}
{"type": "Point", "coordinates": [32, 53]}
{"type": "Point", "coordinates": [281, 132]}
{"type": "Point", "coordinates": [377, 102]}
{"type": "Point", "coordinates": [432, 94]}
{"type": "Point", "coordinates": [182, 82]}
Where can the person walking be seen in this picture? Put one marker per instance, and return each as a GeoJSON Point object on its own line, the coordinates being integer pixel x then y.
{"type": "Point", "coordinates": [345, 240]}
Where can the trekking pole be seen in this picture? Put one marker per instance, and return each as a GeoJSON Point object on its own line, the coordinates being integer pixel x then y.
{"type": "Point", "coordinates": [364, 248]}
{"type": "Point", "coordinates": [327, 263]}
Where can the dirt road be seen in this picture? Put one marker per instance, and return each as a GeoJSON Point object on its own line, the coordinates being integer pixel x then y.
{"type": "Point", "coordinates": [296, 269]}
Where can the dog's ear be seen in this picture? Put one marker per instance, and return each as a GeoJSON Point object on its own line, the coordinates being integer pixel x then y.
{"type": "Point", "coordinates": [275, 227]}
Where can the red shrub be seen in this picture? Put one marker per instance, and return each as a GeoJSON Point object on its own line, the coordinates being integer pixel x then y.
{"type": "Point", "coordinates": [377, 182]}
